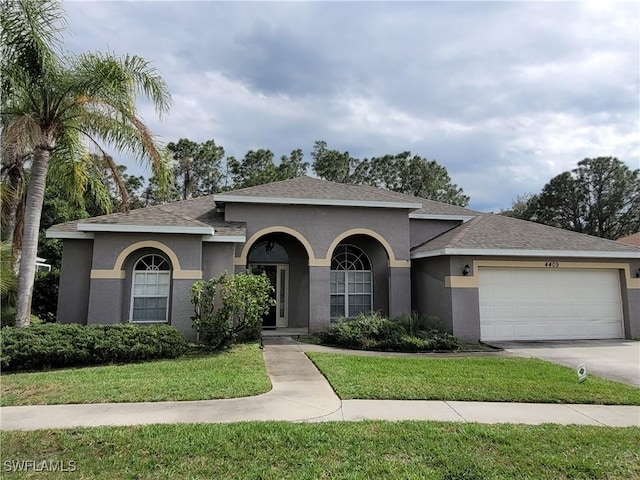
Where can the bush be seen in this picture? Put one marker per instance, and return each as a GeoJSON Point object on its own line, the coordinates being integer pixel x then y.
{"type": "Point", "coordinates": [45, 295]}
{"type": "Point", "coordinates": [415, 322]}
{"type": "Point", "coordinates": [375, 332]}
{"type": "Point", "coordinates": [55, 345]}
{"type": "Point", "coordinates": [229, 308]}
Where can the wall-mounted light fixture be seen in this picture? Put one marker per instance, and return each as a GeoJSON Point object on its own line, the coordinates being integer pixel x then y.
{"type": "Point", "coordinates": [270, 245]}
{"type": "Point", "coordinates": [466, 270]}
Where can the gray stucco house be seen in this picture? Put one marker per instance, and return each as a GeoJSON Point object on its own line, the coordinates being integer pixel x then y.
{"type": "Point", "coordinates": [333, 250]}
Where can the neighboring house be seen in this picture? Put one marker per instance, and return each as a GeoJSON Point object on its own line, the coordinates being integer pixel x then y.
{"type": "Point", "coordinates": [633, 239]}
{"type": "Point", "coordinates": [333, 250]}
{"type": "Point", "coordinates": [42, 265]}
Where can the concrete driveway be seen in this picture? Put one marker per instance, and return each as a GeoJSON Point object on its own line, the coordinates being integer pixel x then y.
{"type": "Point", "coordinates": [614, 359]}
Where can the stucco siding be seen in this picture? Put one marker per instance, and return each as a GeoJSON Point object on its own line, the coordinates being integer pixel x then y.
{"type": "Point", "coordinates": [216, 259]}
{"type": "Point", "coordinates": [429, 294]}
{"type": "Point", "coordinates": [632, 315]}
{"type": "Point", "coordinates": [108, 246]}
{"type": "Point", "coordinates": [110, 298]}
{"type": "Point", "coordinates": [181, 308]}
{"type": "Point", "coordinates": [105, 302]}
{"type": "Point", "coordinates": [73, 297]}
{"type": "Point", "coordinates": [399, 291]}
{"type": "Point", "coordinates": [424, 230]}
{"type": "Point", "coordinates": [319, 299]}
{"type": "Point", "coordinates": [321, 225]}
{"type": "Point", "coordinates": [465, 314]}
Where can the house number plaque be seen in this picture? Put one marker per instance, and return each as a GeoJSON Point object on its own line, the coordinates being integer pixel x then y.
{"type": "Point", "coordinates": [552, 264]}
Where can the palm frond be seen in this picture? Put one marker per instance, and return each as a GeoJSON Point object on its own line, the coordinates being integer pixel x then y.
{"type": "Point", "coordinates": [7, 275]}
{"type": "Point", "coordinates": [30, 35]}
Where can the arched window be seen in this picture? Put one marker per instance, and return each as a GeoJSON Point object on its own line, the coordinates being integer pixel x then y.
{"type": "Point", "coordinates": [351, 282]}
{"type": "Point", "coordinates": [268, 252]}
{"type": "Point", "coordinates": [150, 290]}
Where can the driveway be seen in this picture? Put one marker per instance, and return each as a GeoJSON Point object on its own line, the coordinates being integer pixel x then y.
{"type": "Point", "coordinates": [614, 359]}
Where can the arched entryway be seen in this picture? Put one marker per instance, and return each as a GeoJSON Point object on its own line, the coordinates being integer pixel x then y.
{"type": "Point", "coordinates": [271, 259]}
{"type": "Point", "coordinates": [284, 260]}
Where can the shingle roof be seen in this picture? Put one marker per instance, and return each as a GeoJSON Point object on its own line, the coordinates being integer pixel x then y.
{"type": "Point", "coordinates": [497, 232]}
{"type": "Point", "coordinates": [633, 239]}
{"type": "Point", "coordinates": [309, 188]}
{"type": "Point", "coordinates": [197, 212]}
{"type": "Point", "coordinates": [484, 232]}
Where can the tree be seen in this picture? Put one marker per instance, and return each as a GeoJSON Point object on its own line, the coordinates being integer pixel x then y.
{"type": "Point", "coordinates": [337, 166]}
{"type": "Point", "coordinates": [600, 197]}
{"type": "Point", "coordinates": [292, 166]}
{"type": "Point", "coordinates": [416, 176]}
{"type": "Point", "coordinates": [401, 173]}
{"type": "Point", "coordinates": [54, 105]}
{"type": "Point", "coordinates": [257, 168]}
{"type": "Point", "coordinates": [196, 167]}
{"type": "Point", "coordinates": [522, 207]}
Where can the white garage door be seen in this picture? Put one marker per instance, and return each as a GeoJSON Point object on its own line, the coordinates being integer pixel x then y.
{"type": "Point", "coordinates": [549, 304]}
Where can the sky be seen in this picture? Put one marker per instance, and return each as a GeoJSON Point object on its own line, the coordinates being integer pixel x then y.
{"type": "Point", "coordinates": [505, 95]}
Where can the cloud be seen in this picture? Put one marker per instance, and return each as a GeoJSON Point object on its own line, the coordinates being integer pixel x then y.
{"type": "Point", "coordinates": [505, 95]}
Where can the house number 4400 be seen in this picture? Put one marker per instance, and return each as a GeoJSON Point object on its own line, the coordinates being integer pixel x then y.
{"type": "Point", "coordinates": [552, 264]}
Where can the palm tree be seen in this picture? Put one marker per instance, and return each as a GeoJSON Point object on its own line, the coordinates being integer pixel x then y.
{"type": "Point", "coordinates": [58, 106]}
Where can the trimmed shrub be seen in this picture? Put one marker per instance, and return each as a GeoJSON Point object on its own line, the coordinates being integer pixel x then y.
{"type": "Point", "coordinates": [55, 345]}
{"type": "Point", "coordinates": [375, 332]}
{"type": "Point", "coordinates": [229, 308]}
{"type": "Point", "coordinates": [415, 322]}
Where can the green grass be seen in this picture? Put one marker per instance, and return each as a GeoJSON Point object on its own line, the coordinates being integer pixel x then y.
{"type": "Point", "coordinates": [473, 379]}
{"type": "Point", "coordinates": [359, 450]}
{"type": "Point", "coordinates": [238, 372]}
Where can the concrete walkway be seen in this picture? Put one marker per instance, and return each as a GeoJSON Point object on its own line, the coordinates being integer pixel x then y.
{"type": "Point", "coordinates": [301, 393]}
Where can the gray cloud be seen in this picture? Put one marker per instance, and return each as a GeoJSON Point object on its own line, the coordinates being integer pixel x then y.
{"type": "Point", "coordinates": [505, 95]}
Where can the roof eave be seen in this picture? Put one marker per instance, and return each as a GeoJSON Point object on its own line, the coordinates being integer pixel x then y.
{"type": "Point", "coordinates": [315, 201]}
{"type": "Point", "coordinates": [66, 235]}
{"type": "Point", "coordinates": [429, 216]}
{"type": "Point", "coordinates": [225, 238]}
{"type": "Point", "coordinates": [522, 253]}
{"type": "Point", "coordinates": [121, 228]}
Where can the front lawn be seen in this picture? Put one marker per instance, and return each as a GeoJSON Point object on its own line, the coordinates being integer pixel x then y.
{"type": "Point", "coordinates": [472, 379]}
{"type": "Point", "coordinates": [237, 372]}
{"type": "Point", "coordinates": [359, 450]}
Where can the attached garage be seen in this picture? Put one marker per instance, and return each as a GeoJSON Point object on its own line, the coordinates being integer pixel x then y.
{"type": "Point", "coordinates": [549, 304]}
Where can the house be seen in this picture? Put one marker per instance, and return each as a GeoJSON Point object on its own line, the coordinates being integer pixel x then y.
{"type": "Point", "coordinates": [42, 265]}
{"type": "Point", "coordinates": [333, 250]}
{"type": "Point", "coordinates": [633, 239]}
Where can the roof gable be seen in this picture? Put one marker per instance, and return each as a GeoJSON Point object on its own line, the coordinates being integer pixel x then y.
{"type": "Point", "coordinates": [314, 191]}
{"type": "Point", "coordinates": [195, 216]}
{"type": "Point", "coordinates": [490, 234]}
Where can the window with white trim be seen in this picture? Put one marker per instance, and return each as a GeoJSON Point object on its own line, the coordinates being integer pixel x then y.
{"type": "Point", "coordinates": [351, 282]}
{"type": "Point", "coordinates": [150, 290]}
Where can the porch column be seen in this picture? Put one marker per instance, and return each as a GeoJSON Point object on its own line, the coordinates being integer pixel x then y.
{"type": "Point", "coordinates": [399, 291]}
{"type": "Point", "coordinates": [319, 298]}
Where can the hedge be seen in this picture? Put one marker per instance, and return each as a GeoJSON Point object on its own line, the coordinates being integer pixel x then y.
{"type": "Point", "coordinates": [374, 332]}
{"type": "Point", "coordinates": [55, 345]}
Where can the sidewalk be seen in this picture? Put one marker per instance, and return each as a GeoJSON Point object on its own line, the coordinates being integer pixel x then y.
{"type": "Point", "coordinates": [301, 393]}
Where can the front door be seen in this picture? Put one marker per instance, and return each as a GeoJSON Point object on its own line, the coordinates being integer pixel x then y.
{"type": "Point", "coordinates": [278, 275]}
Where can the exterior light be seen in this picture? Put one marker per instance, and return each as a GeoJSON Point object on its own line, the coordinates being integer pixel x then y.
{"type": "Point", "coordinates": [466, 270]}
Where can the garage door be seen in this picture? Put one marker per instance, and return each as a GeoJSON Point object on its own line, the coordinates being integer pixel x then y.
{"type": "Point", "coordinates": [549, 304]}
